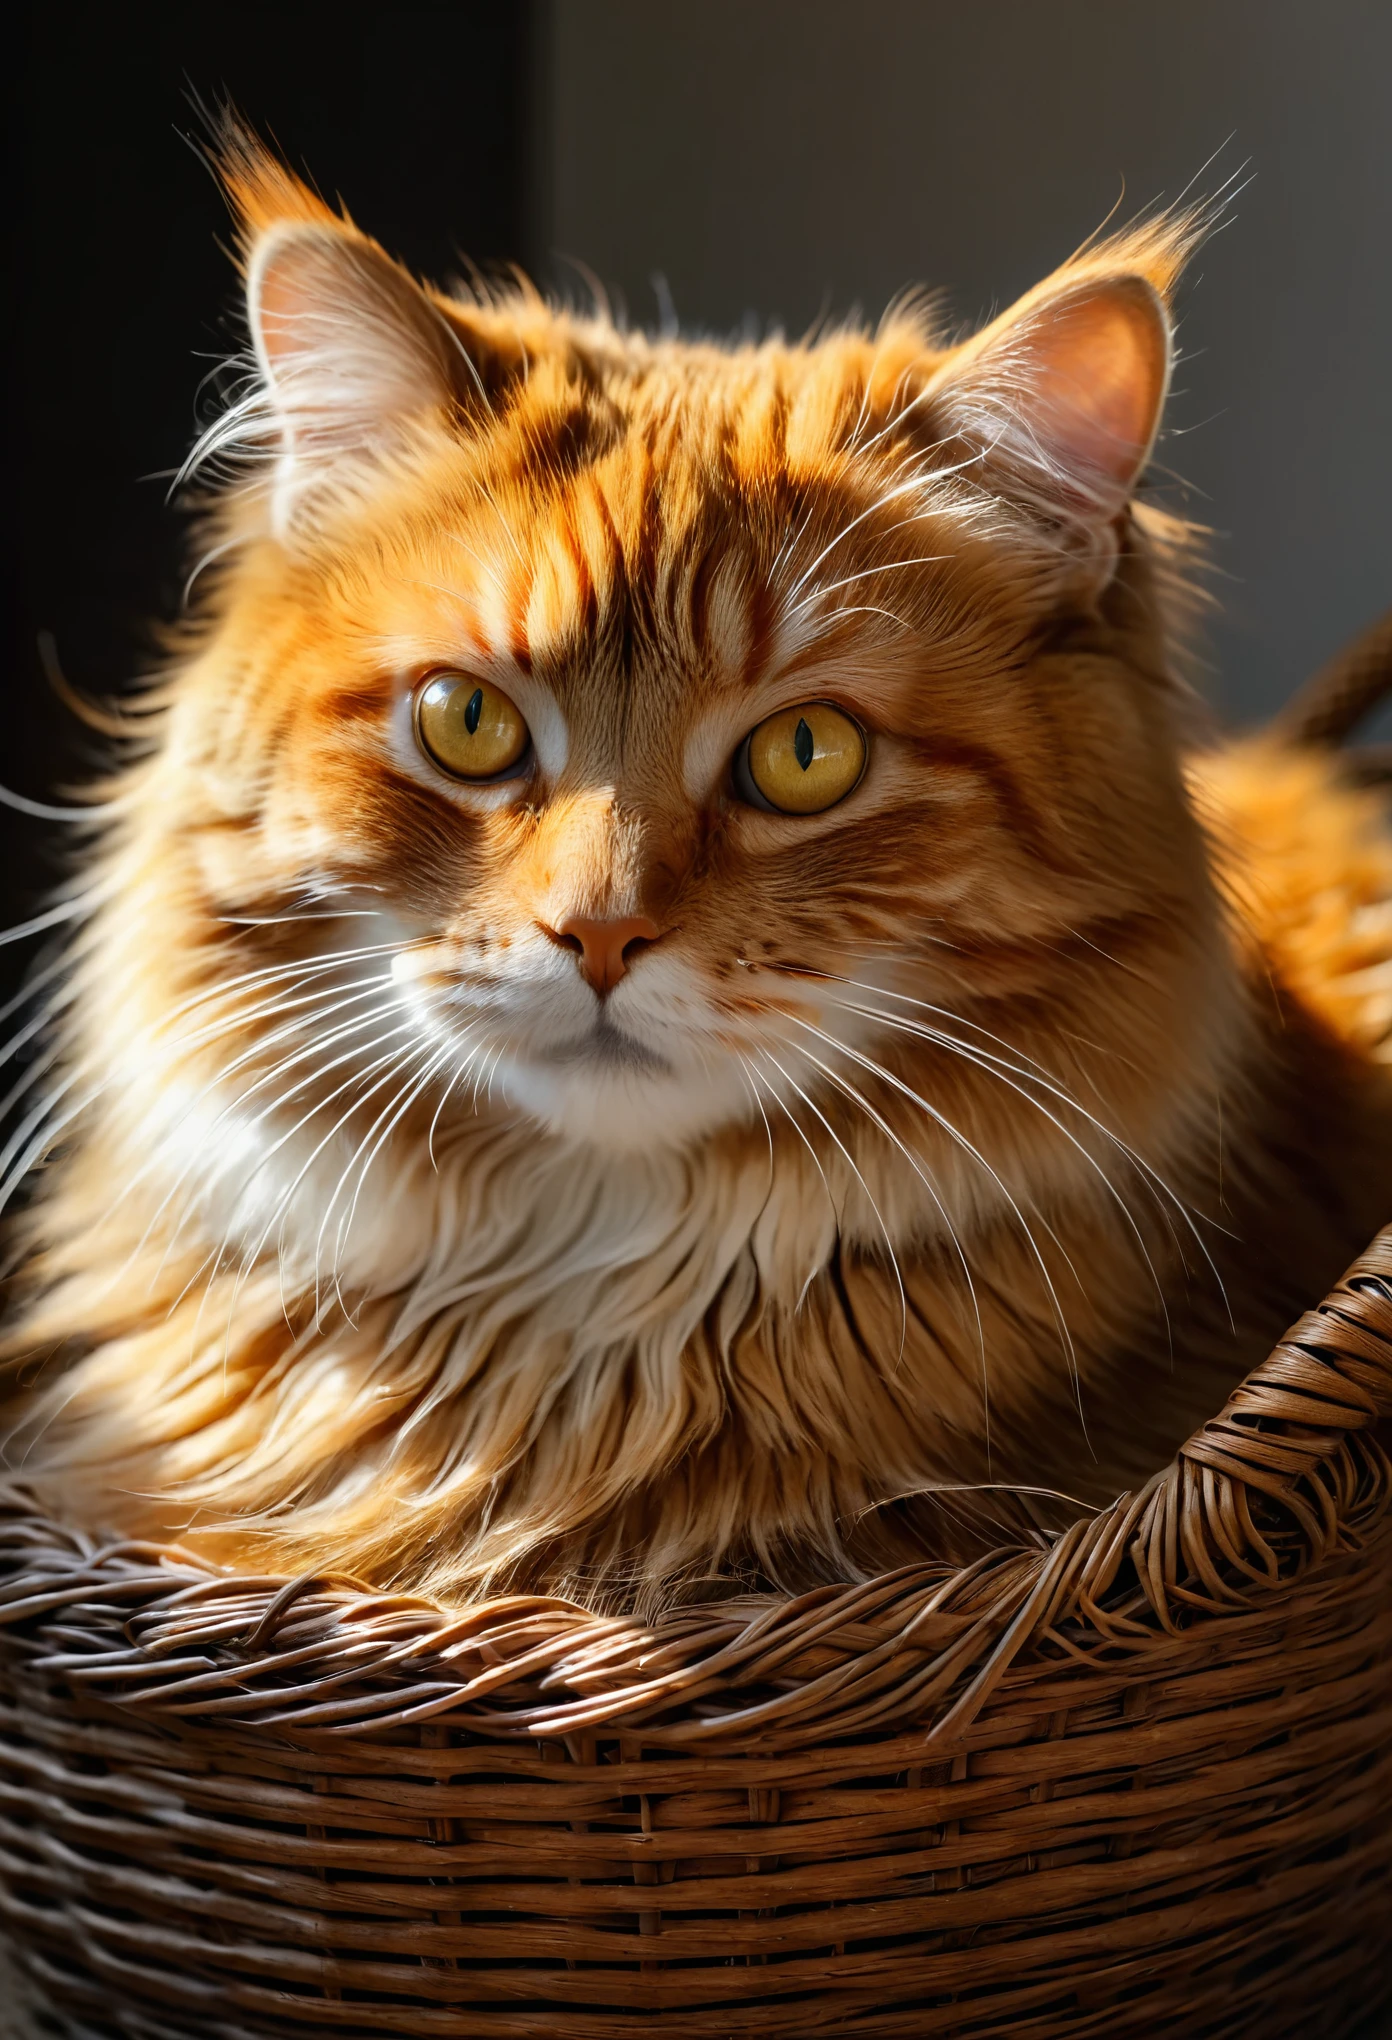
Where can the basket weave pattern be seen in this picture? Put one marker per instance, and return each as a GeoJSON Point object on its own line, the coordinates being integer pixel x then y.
{"type": "Point", "coordinates": [1136, 1783]}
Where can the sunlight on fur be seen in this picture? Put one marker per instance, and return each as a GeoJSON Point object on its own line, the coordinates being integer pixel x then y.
{"type": "Point", "coordinates": [675, 999]}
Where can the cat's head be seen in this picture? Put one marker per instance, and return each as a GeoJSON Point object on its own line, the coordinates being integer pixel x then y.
{"type": "Point", "coordinates": [672, 736]}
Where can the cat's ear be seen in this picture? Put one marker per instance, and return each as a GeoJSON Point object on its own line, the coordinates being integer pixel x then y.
{"type": "Point", "coordinates": [351, 352]}
{"type": "Point", "coordinates": [1056, 404]}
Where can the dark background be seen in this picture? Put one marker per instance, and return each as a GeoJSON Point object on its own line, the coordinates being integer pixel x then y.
{"type": "Point", "coordinates": [773, 160]}
{"type": "Point", "coordinates": [121, 290]}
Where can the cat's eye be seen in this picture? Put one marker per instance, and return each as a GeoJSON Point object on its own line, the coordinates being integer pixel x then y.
{"type": "Point", "coordinates": [801, 760]}
{"type": "Point", "coordinates": [469, 728]}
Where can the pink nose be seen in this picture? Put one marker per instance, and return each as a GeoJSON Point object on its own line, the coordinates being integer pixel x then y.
{"type": "Point", "coordinates": [604, 949]}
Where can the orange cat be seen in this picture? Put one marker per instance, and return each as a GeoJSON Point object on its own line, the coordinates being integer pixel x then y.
{"type": "Point", "coordinates": [662, 990]}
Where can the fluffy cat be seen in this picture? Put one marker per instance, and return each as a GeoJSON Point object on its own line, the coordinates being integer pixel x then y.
{"type": "Point", "coordinates": [662, 991]}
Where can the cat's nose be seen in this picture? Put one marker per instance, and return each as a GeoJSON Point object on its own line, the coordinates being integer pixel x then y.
{"type": "Point", "coordinates": [603, 949]}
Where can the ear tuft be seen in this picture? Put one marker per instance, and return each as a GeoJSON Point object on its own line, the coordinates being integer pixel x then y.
{"type": "Point", "coordinates": [1060, 399]}
{"type": "Point", "coordinates": [261, 191]}
{"type": "Point", "coordinates": [350, 351]}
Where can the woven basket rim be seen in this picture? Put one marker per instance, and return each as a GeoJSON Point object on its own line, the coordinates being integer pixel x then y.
{"type": "Point", "coordinates": [1286, 1474]}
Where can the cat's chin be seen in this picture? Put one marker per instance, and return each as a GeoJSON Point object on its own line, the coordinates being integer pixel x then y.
{"type": "Point", "coordinates": [616, 1093]}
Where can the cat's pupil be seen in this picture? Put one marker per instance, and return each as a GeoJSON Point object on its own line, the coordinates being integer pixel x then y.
{"type": "Point", "coordinates": [804, 748]}
{"type": "Point", "coordinates": [473, 710]}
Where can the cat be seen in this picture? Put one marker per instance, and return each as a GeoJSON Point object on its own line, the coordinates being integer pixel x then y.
{"type": "Point", "coordinates": [675, 998]}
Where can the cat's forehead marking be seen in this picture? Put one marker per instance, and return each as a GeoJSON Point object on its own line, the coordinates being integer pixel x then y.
{"type": "Point", "coordinates": [628, 569]}
{"type": "Point", "coordinates": [626, 582]}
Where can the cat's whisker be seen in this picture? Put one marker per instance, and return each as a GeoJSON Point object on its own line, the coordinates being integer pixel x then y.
{"type": "Point", "coordinates": [489, 1065]}
{"type": "Point", "coordinates": [9, 1183]}
{"type": "Point", "coordinates": [323, 1069]}
{"type": "Point", "coordinates": [863, 609]}
{"type": "Point", "coordinates": [991, 1066]}
{"type": "Point", "coordinates": [433, 1062]}
{"type": "Point", "coordinates": [877, 1119]}
{"type": "Point", "coordinates": [291, 1014]}
{"type": "Point", "coordinates": [286, 990]}
{"type": "Point", "coordinates": [39, 1146]}
{"type": "Point", "coordinates": [866, 574]}
{"type": "Point", "coordinates": [801, 1133]}
{"type": "Point", "coordinates": [1141, 976]}
{"type": "Point", "coordinates": [220, 1077]}
{"type": "Point", "coordinates": [790, 543]}
{"type": "Point", "coordinates": [922, 474]}
{"type": "Point", "coordinates": [865, 1187]}
{"type": "Point", "coordinates": [292, 1017]}
{"type": "Point", "coordinates": [443, 1101]}
{"type": "Point", "coordinates": [45, 1015]}
{"type": "Point", "coordinates": [317, 965]}
{"type": "Point", "coordinates": [749, 1076]}
{"type": "Point", "coordinates": [1005, 1072]}
{"type": "Point", "coordinates": [493, 1071]}
{"type": "Point", "coordinates": [294, 920]}
{"type": "Point", "coordinates": [40, 1066]}
{"type": "Point", "coordinates": [432, 1067]}
{"type": "Point", "coordinates": [956, 1135]}
{"type": "Point", "coordinates": [393, 1061]}
{"type": "Point", "coordinates": [36, 980]}
{"type": "Point", "coordinates": [355, 1077]}
{"type": "Point", "coordinates": [71, 909]}
{"type": "Point", "coordinates": [277, 1104]}
{"type": "Point", "coordinates": [390, 1114]}
{"type": "Point", "coordinates": [881, 503]}
{"type": "Point", "coordinates": [1023, 1066]}
{"type": "Point", "coordinates": [903, 998]}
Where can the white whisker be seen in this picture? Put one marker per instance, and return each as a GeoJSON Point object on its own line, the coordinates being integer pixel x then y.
{"type": "Point", "coordinates": [877, 1119]}
{"type": "Point", "coordinates": [955, 1134]}
{"type": "Point", "coordinates": [35, 980]}
{"type": "Point", "coordinates": [462, 1071]}
{"type": "Point", "coordinates": [408, 1096]}
{"type": "Point", "coordinates": [754, 1093]}
{"type": "Point", "coordinates": [800, 1131]}
{"type": "Point", "coordinates": [846, 1156]}
{"type": "Point", "coordinates": [67, 910]}
{"type": "Point", "coordinates": [1006, 1073]}
{"type": "Point", "coordinates": [865, 574]}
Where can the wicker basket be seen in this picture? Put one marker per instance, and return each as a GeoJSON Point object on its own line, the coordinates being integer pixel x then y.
{"type": "Point", "coordinates": [1138, 1784]}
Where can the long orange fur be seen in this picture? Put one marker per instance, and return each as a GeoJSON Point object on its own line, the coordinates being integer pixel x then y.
{"type": "Point", "coordinates": [988, 1125]}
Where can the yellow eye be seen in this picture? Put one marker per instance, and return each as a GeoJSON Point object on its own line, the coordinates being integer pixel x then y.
{"type": "Point", "coordinates": [802, 759]}
{"type": "Point", "coordinates": [468, 728]}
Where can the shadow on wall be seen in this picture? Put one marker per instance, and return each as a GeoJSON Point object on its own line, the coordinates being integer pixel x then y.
{"type": "Point", "coordinates": [796, 157]}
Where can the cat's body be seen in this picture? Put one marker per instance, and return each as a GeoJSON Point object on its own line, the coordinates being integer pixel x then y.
{"type": "Point", "coordinates": [593, 1177]}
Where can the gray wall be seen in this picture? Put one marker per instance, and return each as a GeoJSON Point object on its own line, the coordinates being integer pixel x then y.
{"type": "Point", "coordinates": [784, 157]}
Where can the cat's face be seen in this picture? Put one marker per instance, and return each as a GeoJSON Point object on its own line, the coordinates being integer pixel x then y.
{"type": "Point", "coordinates": [681, 723]}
